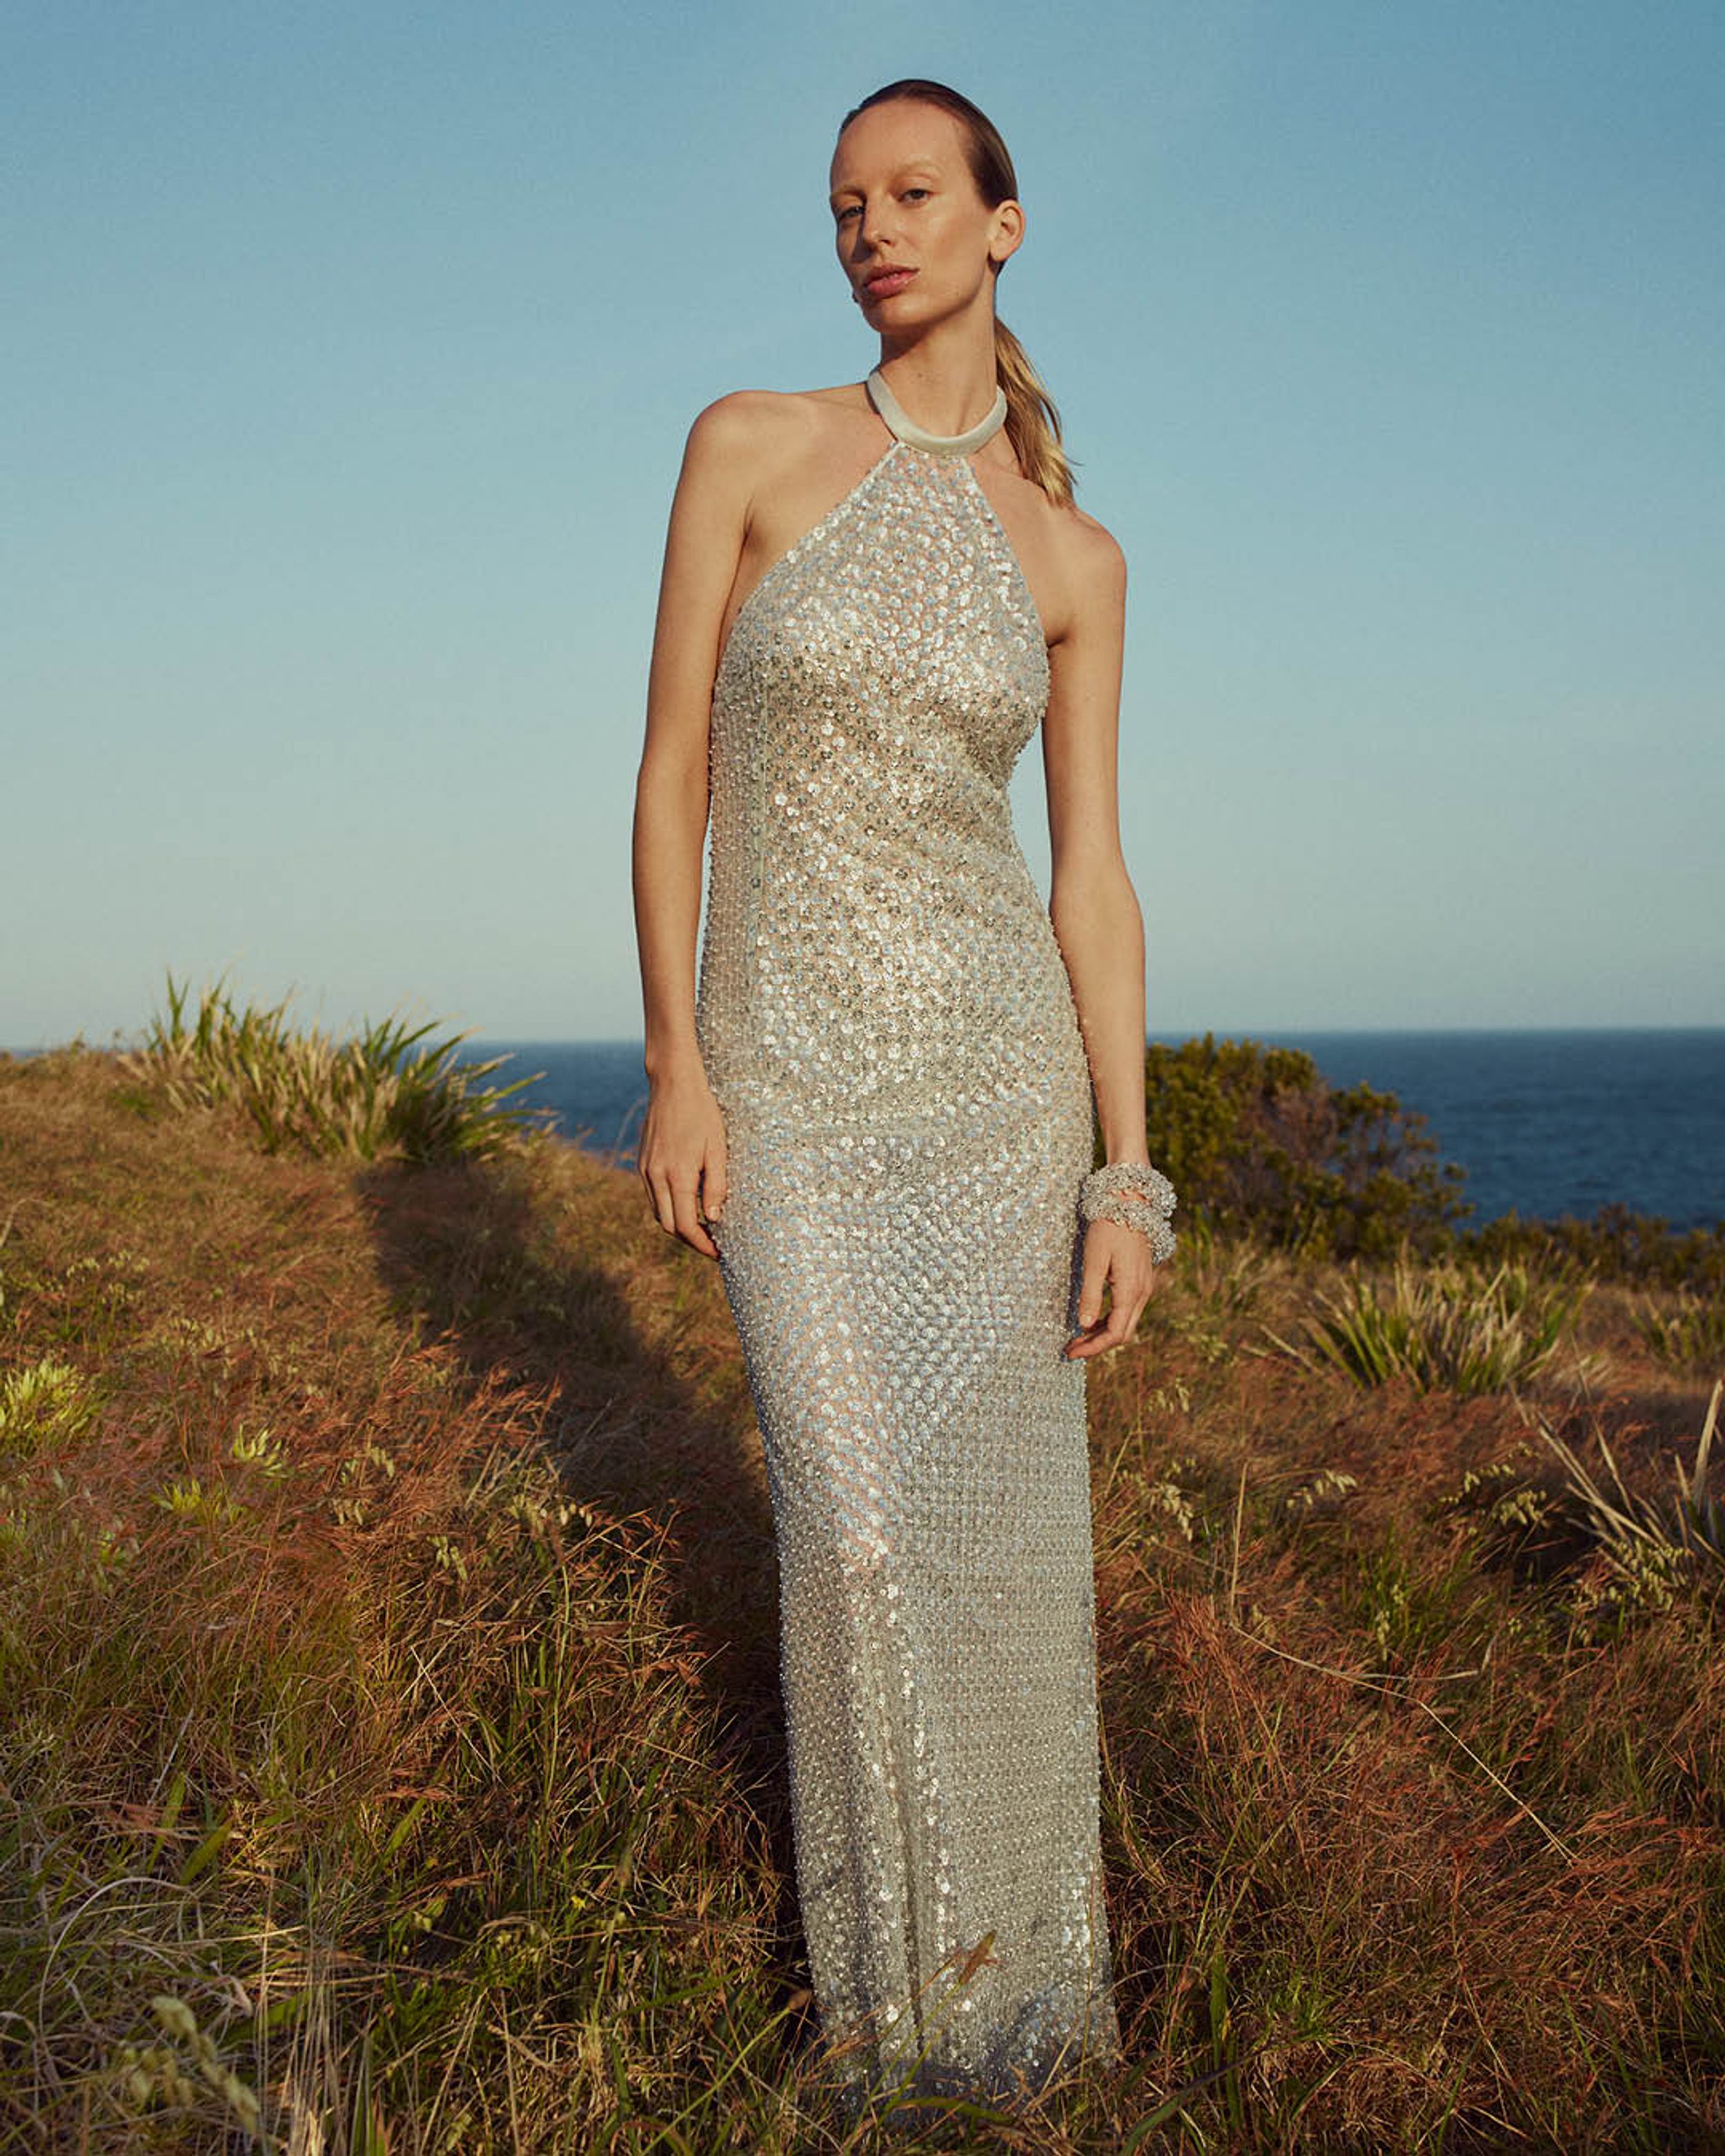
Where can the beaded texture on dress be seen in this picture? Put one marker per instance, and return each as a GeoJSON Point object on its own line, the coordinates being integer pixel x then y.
{"type": "Point", "coordinates": [887, 1023]}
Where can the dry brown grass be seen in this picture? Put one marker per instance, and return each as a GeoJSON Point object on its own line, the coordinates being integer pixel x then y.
{"type": "Point", "coordinates": [424, 1745]}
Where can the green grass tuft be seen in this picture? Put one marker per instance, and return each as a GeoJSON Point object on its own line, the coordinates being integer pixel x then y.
{"type": "Point", "coordinates": [1691, 1337]}
{"type": "Point", "coordinates": [380, 1094]}
{"type": "Point", "coordinates": [1449, 1325]}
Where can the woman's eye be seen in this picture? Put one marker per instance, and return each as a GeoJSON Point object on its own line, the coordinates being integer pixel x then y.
{"type": "Point", "coordinates": [842, 214]}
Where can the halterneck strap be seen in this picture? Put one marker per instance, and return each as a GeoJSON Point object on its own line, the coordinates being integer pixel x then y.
{"type": "Point", "coordinates": [942, 445]}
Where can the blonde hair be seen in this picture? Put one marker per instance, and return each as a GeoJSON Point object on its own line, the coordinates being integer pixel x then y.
{"type": "Point", "coordinates": [1033, 421]}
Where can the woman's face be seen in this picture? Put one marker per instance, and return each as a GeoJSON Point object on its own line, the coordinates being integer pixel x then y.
{"type": "Point", "coordinates": [903, 200]}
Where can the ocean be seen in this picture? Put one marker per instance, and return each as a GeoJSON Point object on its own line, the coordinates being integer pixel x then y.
{"type": "Point", "coordinates": [1545, 1121]}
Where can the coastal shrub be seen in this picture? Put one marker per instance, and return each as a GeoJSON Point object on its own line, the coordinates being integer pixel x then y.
{"type": "Point", "coordinates": [1258, 1140]}
{"type": "Point", "coordinates": [1615, 1244]}
{"type": "Point", "coordinates": [381, 1093]}
{"type": "Point", "coordinates": [1443, 1326]}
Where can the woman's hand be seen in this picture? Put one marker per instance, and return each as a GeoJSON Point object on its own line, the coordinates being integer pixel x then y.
{"type": "Point", "coordinates": [682, 1157]}
{"type": "Point", "coordinates": [1119, 1258]}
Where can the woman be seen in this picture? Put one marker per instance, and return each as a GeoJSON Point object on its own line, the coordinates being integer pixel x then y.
{"type": "Point", "coordinates": [875, 1110]}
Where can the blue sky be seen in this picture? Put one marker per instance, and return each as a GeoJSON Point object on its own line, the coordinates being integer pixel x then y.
{"type": "Point", "coordinates": [349, 355]}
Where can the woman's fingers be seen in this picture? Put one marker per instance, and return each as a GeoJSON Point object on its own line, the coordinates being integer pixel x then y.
{"type": "Point", "coordinates": [711, 1205]}
{"type": "Point", "coordinates": [686, 1215]}
{"type": "Point", "coordinates": [715, 1186]}
{"type": "Point", "coordinates": [659, 1190]}
{"type": "Point", "coordinates": [1096, 1279]}
{"type": "Point", "coordinates": [1110, 1259]}
{"type": "Point", "coordinates": [681, 1162]}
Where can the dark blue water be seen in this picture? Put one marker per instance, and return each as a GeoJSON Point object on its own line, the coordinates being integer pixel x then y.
{"type": "Point", "coordinates": [1544, 1122]}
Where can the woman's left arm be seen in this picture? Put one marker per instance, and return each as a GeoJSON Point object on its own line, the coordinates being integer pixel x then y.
{"type": "Point", "coordinates": [1095, 910]}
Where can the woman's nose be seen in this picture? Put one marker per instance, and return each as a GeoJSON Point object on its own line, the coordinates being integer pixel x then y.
{"type": "Point", "coordinates": [877, 225]}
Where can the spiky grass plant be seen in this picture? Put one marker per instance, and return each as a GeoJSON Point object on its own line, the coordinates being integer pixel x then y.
{"type": "Point", "coordinates": [1444, 1326]}
{"type": "Point", "coordinates": [1691, 1335]}
{"type": "Point", "coordinates": [1647, 1545]}
{"type": "Point", "coordinates": [1608, 1550]}
{"type": "Point", "coordinates": [42, 1403]}
{"type": "Point", "coordinates": [379, 1093]}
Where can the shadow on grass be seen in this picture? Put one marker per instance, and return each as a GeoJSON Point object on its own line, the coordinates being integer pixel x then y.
{"type": "Point", "coordinates": [493, 1265]}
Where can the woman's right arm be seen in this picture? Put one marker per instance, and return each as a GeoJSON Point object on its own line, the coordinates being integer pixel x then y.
{"type": "Point", "coordinates": [681, 1156]}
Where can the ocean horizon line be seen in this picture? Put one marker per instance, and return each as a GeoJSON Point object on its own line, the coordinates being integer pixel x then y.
{"type": "Point", "coordinates": [1589, 1029]}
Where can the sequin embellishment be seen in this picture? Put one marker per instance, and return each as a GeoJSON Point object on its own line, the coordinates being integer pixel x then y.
{"type": "Point", "coordinates": [887, 1023]}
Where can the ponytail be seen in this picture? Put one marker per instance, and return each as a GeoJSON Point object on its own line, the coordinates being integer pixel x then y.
{"type": "Point", "coordinates": [1033, 421]}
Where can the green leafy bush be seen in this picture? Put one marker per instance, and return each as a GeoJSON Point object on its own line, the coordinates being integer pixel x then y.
{"type": "Point", "coordinates": [1616, 1244]}
{"type": "Point", "coordinates": [1256, 1140]}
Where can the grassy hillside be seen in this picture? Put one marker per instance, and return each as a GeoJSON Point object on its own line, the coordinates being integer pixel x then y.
{"type": "Point", "coordinates": [390, 1746]}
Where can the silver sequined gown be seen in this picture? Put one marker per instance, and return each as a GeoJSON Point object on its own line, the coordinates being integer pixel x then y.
{"type": "Point", "coordinates": [887, 1023]}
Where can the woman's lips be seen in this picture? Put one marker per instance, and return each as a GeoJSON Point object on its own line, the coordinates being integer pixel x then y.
{"type": "Point", "coordinates": [890, 281]}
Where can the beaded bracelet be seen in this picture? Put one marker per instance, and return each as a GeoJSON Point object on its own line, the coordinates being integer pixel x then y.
{"type": "Point", "coordinates": [1137, 1196]}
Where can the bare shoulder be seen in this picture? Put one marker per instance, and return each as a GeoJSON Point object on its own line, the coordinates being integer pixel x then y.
{"type": "Point", "coordinates": [1078, 568]}
{"type": "Point", "coordinates": [776, 460]}
{"type": "Point", "coordinates": [753, 423]}
{"type": "Point", "coordinates": [1093, 556]}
